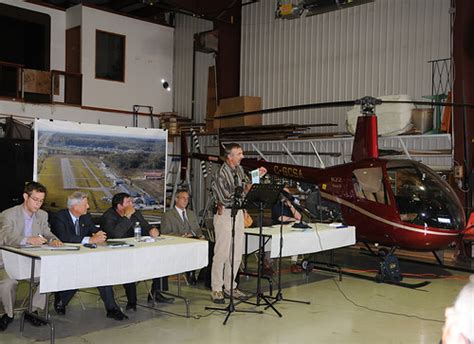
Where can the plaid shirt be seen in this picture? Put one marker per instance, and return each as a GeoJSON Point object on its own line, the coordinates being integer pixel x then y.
{"type": "Point", "coordinates": [224, 182]}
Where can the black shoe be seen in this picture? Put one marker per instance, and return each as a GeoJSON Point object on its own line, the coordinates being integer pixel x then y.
{"type": "Point", "coordinates": [131, 306]}
{"type": "Point", "coordinates": [191, 278]}
{"type": "Point", "coordinates": [59, 307]}
{"type": "Point", "coordinates": [159, 297]}
{"type": "Point", "coordinates": [5, 320]}
{"type": "Point", "coordinates": [116, 314]}
{"type": "Point", "coordinates": [33, 320]}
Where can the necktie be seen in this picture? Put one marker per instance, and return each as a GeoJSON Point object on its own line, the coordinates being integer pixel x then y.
{"type": "Point", "coordinates": [187, 225]}
{"type": "Point", "coordinates": [76, 226]}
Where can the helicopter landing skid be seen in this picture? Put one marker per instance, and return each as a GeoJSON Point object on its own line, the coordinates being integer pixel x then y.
{"type": "Point", "coordinates": [398, 284]}
{"type": "Point", "coordinates": [389, 271]}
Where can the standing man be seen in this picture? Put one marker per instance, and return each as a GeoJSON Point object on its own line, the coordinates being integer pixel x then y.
{"type": "Point", "coordinates": [75, 225]}
{"type": "Point", "coordinates": [227, 183]}
{"type": "Point", "coordinates": [183, 222]}
{"type": "Point", "coordinates": [119, 222]}
{"type": "Point", "coordinates": [24, 224]}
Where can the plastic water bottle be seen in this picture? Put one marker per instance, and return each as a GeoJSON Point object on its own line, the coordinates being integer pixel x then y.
{"type": "Point", "coordinates": [137, 231]}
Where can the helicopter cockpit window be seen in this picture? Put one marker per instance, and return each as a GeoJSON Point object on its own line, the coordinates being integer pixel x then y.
{"type": "Point", "coordinates": [423, 198]}
{"type": "Point", "coordinates": [368, 184]}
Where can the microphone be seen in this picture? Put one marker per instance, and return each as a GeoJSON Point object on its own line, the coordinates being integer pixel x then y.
{"type": "Point", "coordinates": [238, 187]}
{"type": "Point", "coordinates": [289, 196]}
{"type": "Point", "coordinates": [296, 203]}
{"type": "Point", "coordinates": [238, 191]}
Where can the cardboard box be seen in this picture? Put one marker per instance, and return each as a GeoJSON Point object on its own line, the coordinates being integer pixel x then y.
{"type": "Point", "coordinates": [239, 121]}
{"type": "Point", "coordinates": [239, 104]}
{"type": "Point", "coordinates": [422, 119]}
{"type": "Point", "coordinates": [36, 81]}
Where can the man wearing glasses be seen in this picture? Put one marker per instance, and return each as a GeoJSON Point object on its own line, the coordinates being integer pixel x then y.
{"type": "Point", "coordinates": [24, 224]}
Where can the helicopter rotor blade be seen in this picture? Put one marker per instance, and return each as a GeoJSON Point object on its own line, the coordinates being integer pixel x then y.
{"type": "Point", "coordinates": [343, 103]}
{"type": "Point", "coordinates": [418, 102]}
{"type": "Point", "coordinates": [292, 108]}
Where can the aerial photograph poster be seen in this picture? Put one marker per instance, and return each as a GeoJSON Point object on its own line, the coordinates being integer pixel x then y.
{"type": "Point", "coordinates": [100, 160]}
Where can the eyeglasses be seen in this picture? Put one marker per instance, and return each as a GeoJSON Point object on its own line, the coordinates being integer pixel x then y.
{"type": "Point", "coordinates": [37, 200]}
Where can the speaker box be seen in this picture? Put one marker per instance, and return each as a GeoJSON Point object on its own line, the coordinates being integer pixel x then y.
{"type": "Point", "coordinates": [16, 160]}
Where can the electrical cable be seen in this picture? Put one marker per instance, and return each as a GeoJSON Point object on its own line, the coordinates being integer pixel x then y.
{"type": "Point", "coordinates": [381, 311]}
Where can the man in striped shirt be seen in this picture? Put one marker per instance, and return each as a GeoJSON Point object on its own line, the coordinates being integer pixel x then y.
{"type": "Point", "coordinates": [228, 185]}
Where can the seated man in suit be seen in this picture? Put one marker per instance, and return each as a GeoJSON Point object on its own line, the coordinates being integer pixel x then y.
{"type": "Point", "coordinates": [24, 224]}
{"type": "Point", "coordinates": [119, 222]}
{"type": "Point", "coordinates": [7, 285]}
{"type": "Point", "coordinates": [182, 222]}
{"type": "Point", "coordinates": [75, 225]}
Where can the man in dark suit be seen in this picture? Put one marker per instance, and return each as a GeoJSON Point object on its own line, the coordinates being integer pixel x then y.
{"type": "Point", "coordinates": [75, 225]}
{"type": "Point", "coordinates": [119, 222]}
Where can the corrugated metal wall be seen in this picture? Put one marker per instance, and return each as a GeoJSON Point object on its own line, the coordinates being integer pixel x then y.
{"type": "Point", "coordinates": [374, 49]}
{"type": "Point", "coordinates": [186, 27]}
{"type": "Point", "coordinates": [199, 185]}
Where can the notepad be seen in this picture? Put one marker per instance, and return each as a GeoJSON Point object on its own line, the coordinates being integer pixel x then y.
{"type": "Point", "coordinates": [255, 174]}
{"type": "Point", "coordinates": [62, 248]}
{"type": "Point", "coordinates": [51, 248]}
{"type": "Point", "coordinates": [118, 244]}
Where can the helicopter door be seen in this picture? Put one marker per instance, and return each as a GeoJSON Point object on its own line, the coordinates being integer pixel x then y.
{"type": "Point", "coordinates": [368, 184]}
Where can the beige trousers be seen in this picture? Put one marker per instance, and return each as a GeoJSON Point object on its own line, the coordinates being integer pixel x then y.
{"type": "Point", "coordinates": [221, 263]}
{"type": "Point", "coordinates": [8, 294]}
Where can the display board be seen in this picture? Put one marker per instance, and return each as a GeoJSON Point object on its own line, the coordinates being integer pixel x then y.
{"type": "Point", "coordinates": [100, 160]}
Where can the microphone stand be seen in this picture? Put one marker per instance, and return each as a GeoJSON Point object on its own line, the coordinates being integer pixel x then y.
{"type": "Point", "coordinates": [235, 209]}
{"type": "Point", "coordinates": [308, 265]}
{"type": "Point", "coordinates": [279, 294]}
{"type": "Point", "coordinates": [259, 197]}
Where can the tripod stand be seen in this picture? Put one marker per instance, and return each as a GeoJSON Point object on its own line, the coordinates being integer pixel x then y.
{"type": "Point", "coordinates": [231, 307]}
{"type": "Point", "coordinates": [262, 196]}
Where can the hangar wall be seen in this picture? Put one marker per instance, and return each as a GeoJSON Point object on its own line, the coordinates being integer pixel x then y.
{"type": "Point", "coordinates": [375, 49]}
{"type": "Point", "coordinates": [185, 29]}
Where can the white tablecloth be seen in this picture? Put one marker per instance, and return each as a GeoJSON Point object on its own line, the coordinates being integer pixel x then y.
{"type": "Point", "coordinates": [63, 270]}
{"type": "Point", "coordinates": [320, 237]}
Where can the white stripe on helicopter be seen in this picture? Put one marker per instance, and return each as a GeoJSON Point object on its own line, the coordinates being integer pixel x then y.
{"type": "Point", "coordinates": [381, 219]}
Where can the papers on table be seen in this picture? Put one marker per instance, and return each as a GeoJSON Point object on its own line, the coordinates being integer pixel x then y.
{"type": "Point", "coordinates": [118, 244]}
{"type": "Point", "coordinates": [62, 248]}
{"type": "Point", "coordinates": [337, 225]}
{"type": "Point", "coordinates": [150, 239]}
{"type": "Point", "coordinates": [51, 248]}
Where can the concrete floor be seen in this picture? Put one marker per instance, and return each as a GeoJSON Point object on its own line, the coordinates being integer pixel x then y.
{"type": "Point", "coordinates": [351, 311]}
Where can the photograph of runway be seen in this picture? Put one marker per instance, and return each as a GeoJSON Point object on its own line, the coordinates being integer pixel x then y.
{"type": "Point", "coordinates": [101, 165]}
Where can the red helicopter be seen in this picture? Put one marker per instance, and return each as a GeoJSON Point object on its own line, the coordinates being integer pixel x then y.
{"type": "Point", "coordinates": [395, 203]}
